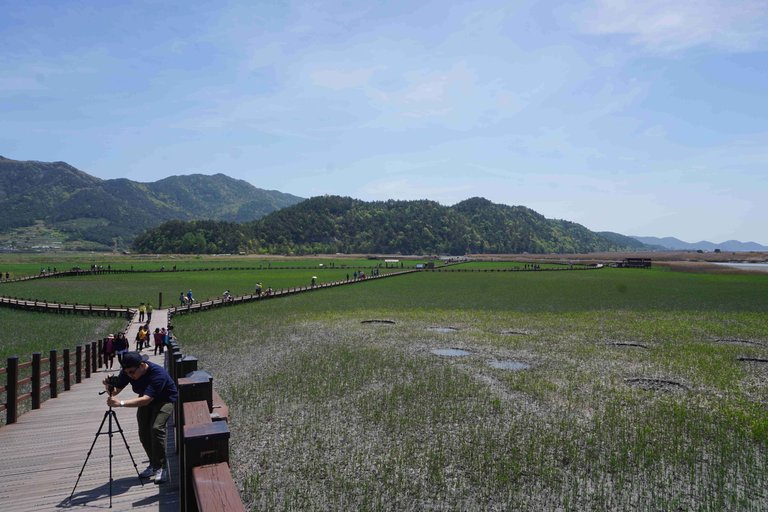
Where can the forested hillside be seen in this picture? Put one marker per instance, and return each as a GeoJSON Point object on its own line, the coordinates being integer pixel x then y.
{"type": "Point", "coordinates": [332, 224]}
{"type": "Point", "coordinates": [81, 211]}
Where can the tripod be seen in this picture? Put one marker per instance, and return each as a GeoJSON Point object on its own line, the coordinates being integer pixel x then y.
{"type": "Point", "coordinates": [112, 416]}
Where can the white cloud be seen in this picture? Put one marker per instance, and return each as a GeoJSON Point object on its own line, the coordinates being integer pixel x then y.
{"type": "Point", "coordinates": [669, 26]}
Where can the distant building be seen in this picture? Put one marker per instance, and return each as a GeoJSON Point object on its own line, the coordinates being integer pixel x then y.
{"type": "Point", "coordinates": [636, 263]}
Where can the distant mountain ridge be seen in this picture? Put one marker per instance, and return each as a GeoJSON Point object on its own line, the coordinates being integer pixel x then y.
{"type": "Point", "coordinates": [676, 244]}
{"type": "Point", "coordinates": [78, 209]}
{"type": "Point", "coordinates": [55, 205]}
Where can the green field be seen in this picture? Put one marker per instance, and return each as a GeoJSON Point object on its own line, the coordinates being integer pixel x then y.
{"type": "Point", "coordinates": [634, 394]}
{"type": "Point", "coordinates": [20, 265]}
{"type": "Point", "coordinates": [130, 289]}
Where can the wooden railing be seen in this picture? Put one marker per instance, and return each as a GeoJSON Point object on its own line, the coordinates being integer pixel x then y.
{"type": "Point", "coordinates": [53, 374]}
{"type": "Point", "coordinates": [107, 271]}
{"type": "Point", "coordinates": [221, 302]}
{"type": "Point", "coordinates": [202, 434]}
{"type": "Point", "coordinates": [57, 307]}
{"type": "Point", "coordinates": [518, 269]}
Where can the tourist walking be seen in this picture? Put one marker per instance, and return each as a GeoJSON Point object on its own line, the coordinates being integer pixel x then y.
{"type": "Point", "coordinates": [121, 345]}
{"type": "Point", "coordinates": [158, 339]}
{"type": "Point", "coordinates": [142, 338]}
{"type": "Point", "coordinates": [108, 351]}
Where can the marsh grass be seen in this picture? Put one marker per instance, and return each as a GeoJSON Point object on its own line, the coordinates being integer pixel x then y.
{"type": "Point", "coordinates": [329, 413]}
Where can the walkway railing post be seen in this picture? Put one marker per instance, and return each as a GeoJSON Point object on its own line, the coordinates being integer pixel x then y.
{"type": "Point", "coordinates": [36, 380]}
{"type": "Point", "coordinates": [12, 389]}
{"type": "Point", "coordinates": [53, 374]}
{"type": "Point", "coordinates": [78, 364]}
{"type": "Point", "coordinates": [87, 360]}
{"type": "Point", "coordinates": [95, 357]}
{"type": "Point", "coordinates": [65, 369]}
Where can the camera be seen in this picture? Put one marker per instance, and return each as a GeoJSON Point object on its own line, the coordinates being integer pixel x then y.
{"type": "Point", "coordinates": [113, 382]}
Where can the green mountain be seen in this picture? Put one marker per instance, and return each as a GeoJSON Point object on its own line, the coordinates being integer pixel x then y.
{"type": "Point", "coordinates": [332, 224]}
{"type": "Point", "coordinates": [629, 242]}
{"type": "Point", "coordinates": [75, 210]}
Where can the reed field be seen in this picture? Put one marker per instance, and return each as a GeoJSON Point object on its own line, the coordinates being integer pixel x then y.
{"type": "Point", "coordinates": [609, 389]}
{"type": "Point", "coordinates": [624, 390]}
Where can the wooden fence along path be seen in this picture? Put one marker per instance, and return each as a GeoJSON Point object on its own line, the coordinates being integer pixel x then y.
{"type": "Point", "coordinates": [219, 302]}
{"type": "Point", "coordinates": [61, 308]}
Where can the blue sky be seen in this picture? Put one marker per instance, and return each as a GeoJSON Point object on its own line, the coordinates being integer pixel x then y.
{"type": "Point", "coordinates": [643, 118]}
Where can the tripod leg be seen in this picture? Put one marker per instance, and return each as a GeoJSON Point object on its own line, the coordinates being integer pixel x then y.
{"type": "Point", "coordinates": [95, 438]}
{"type": "Point", "coordinates": [111, 415]}
{"type": "Point", "coordinates": [128, 448]}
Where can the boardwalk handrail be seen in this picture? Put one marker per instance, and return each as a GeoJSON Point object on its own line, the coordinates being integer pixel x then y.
{"type": "Point", "coordinates": [242, 299]}
{"type": "Point", "coordinates": [53, 374]}
{"type": "Point", "coordinates": [107, 271]}
{"type": "Point", "coordinates": [202, 433]}
{"type": "Point", "coordinates": [62, 308]}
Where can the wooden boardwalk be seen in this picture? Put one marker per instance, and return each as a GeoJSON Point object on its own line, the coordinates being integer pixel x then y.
{"type": "Point", "coordinates": [43, 453]}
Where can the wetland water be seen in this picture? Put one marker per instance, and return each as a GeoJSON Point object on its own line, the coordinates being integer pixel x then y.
{"type": "Point", "coordinates": [761, 267]}
{"type": "Point", "coordinates": [450, 352]}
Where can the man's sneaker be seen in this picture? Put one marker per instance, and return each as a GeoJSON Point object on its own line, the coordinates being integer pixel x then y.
{"type": "Point", "coordinates": [159, 476]}
{"type": "Point", "coordinates": [147, 473]}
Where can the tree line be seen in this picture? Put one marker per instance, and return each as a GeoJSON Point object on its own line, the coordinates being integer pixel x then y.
{"type": "Point", "coordinates": [335, 224]}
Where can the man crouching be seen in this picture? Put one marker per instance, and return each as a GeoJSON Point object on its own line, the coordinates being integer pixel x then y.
{"type": "Point", "coordinates": [157, 394]}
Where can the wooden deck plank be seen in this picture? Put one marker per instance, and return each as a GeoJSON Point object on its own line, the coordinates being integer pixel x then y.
{"type": "Point", "coordinates": [44, 451]}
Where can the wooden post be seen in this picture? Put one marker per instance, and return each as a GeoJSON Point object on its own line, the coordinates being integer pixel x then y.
{"type": "Point", "coordinates": [11, 389]}
{"type": "Point", "coordinates": [87, 360]}
{"type": "Point", "coordinates": [65, 370]}
{"type": "Point", "coordinates": [192, 390]}
{"type": "Point", "coordinates": [206, 443]}
{"type": "Point", "coordinates": [36, 380]}
{"type": "Point", "coordinates": [188, 364]}
{"type": "Point", "coordinates": [177, 357]}
{"type": "Point", "coordinates": [193, 413]}
{"type": "Point", "coordinates": [54, 374]}
{"type": "Point", "coordinates": [198, 386]}
{"type": "Point", "coordinates": [78, 364]}
{"type": "Point", "coordinates": [95, 357]}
